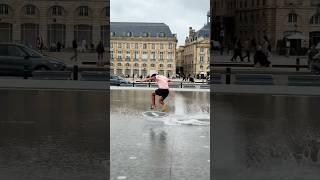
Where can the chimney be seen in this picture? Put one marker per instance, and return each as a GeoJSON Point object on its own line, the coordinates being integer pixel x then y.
{"type": "Point", "coordinates": [190, 31]}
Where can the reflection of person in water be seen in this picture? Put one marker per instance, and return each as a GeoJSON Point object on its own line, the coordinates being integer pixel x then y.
{"type": "Point", "coordinates": [163, 91]}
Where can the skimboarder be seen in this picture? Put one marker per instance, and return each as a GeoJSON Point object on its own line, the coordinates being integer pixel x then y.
{"type": "Point", "coordinates": [162, 91]}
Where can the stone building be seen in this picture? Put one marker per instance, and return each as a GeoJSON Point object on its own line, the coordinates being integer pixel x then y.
{"type": "Point", "coordinates": [142, 49]}
{"type": "Point", "coordinates": [54, 21]}
{"type": "Point", "coordinates": [296, 21]}
{"type": "Point", "coordinates": [194, 56]}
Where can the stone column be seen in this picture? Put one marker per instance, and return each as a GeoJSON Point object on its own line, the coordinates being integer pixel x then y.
{"type": "Point", "coordinates": [96, 35]}
{"type": "Point", "coordinates": [69, 35]}
{"type": "Point", "coordinates": [16, 32]}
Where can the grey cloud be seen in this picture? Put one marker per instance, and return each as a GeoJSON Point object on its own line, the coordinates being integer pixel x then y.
{"type": "Point", "coordinates": [178, 14]}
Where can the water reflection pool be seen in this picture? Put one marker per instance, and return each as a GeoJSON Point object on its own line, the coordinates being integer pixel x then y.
{"type": "Point", "coordinates": [177, 147]}
{"type": "Point", "coordinates": [266, 137]}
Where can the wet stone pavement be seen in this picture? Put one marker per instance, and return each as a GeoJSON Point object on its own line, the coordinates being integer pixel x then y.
{"type": "Point", "coordinates": [176, 147]}
{"type": "Point", "coordinates": [266, 137]}
{"type": "Point", "coordinates": [50, 135]}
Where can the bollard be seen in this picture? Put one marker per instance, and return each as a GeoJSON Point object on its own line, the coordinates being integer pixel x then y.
{"type": "Point", "coordinates": [133, 84]}
{"type": "Point", "coordinates": [181, 85]}
{"type": "Point", "coordinates": [297, 64]}
{"type": "Point", "coordinates": [75, 72]}
{"type": "Point", "coordinates": [228, 75]}
{"type": "Point", "coordinates": [149, 84]}
{"type": "Point", "coordinates": [25, 72]}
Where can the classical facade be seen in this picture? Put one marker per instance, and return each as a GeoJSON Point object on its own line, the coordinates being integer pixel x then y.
{"type": "Point", "coordinates": [297, 21]}
{"type": "Point", "coordinates": [54, 21]}
{"type": "Point", "coordinates": [194, 57]}
{"type": "Point", "coordinates": [140, 49]}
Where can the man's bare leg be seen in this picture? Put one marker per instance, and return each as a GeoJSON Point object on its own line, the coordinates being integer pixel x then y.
{"type": "Point", "coordinates": [153, 98]}
{"type": "Point", "coordinates": [164, 106]}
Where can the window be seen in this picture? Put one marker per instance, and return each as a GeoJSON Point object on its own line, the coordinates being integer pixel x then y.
{"type": "Point", "coordinates": [315, 19]}
{"type": "Point", "coordinates": [144, 65]}
{"type": "Point", "coordinates": [169, 65]}
{"type": "Point", "coordinates": [136, 55]}
{"type": "Point", "coordinates": [201, 59]}
{"type": "Point", "coordinates": [292, 18]}
{"type": "Point", "coordinates": [56, 11]}
{"type": "Point", "coordinates": [119, 45]}
{"type": "Point", "coordinates": [145, 34]}
{"type": "Point", "coordinates": [127, 64]}
{"type": "Point", "coordinates": [128, 45]}
{"type": "Point", "coordinates": [144, 56]}
{"type": "Point", "coordinates": [30, 10]}
{"type": "Point", "coordinates": [15, 51]}
{"type": "Point", "coordinates": [161, 65]}
{"type": "Point", "coordinates": [152, 65]}
{"type": "Point", "coordinates": [136, 65]}
{"type": "Point", "coordinates": [161, 46]}
{"type": "Point", "coordinates": [119, 64]}
{"type": "Point", "coordinates": [84, 11]}
{"type": "Point", "coordinates": [4, 9]}
{"type": "Point", "coordinates": [112, 55]}
{"type": "Point", "coordinates": [136, 46]}
{"type": "Point", "coordinates": [161, 34]}
{"type": "Point", "coordinates": [170, 55]}
{"type": "Point", "coordinates": [153, 54]}
{"type": "Point", "coordinates": [202, 50]}
{"type": "Point", "coordinates": [119, 55]}
{"type": "Point", "coordinates": [129, 34]}
{"type": "Point", "coordinates": [153, 46]}
{"type": "Point", "coordinates": [144, 46]}
{"type": "Point", "coordinates": [128, 56]}
{"type": "Point", "coordinates": [161, 55]}
{"type": "Point", "coordinates": [170, 45]}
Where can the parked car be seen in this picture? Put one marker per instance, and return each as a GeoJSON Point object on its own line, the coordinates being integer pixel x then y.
{"type": "Point", "coordinates": [117, 80]}
{"type": "Point", "coordinates": [15, 58]}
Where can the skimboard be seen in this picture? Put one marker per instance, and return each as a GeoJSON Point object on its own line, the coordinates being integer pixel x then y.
{"type": "Point", "coordinates": [154, 114]}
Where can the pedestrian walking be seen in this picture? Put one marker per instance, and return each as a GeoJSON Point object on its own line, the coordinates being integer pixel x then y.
{"type": "Point", "coordinates": [100, 51]}
{"type": "Point", "coordinates": [59, 45]}
{"type": "Point", "coordinates": [75, 50]}
{"type": "Point", "coordinates": [311, 53]}
{"type": "Point", "coordinates": [237, 51]}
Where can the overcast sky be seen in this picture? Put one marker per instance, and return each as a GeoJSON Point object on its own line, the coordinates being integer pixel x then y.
{"type": "Point", "coordinates": [178, 14]}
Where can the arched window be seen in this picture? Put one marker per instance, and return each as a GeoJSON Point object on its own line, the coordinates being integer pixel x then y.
{"type": "Point", "coordinates": [315, 19]}
{"type": "Point", "coordinates": [169, 65]}
{"type": "Point", "coordinates": [119, 64]}
{"type": "Point", "coordinates": [152, 65]}
{"type": "Point", "coordinates": [56, 11]}
{"type": "Point", "coordinates": [4, 9]}
{"type": "Point", "coordinates": [30, 10]}
{"type": "Point", "coordinates": [127, 64]}
{"type": "Point", "coordinates": [136, 64]}
{"type": "Point", "coordinates": [161, 65]}
{"type": "Point", "coordinates": [292, 18]}
{"type": "Point", "coordinates": [83, 11]}
{"type": "Point", "coordinates": [144, 65]}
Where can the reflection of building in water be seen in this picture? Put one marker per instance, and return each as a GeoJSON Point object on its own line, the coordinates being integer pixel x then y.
{"type": "Point", "coordinates": [194, 57]}
{"type": "Point", "coordinates": [296, 20]}
{"type": "Point", "coordinates": [142, 48]}
{"type": "Point", "coordinates": [54, 21]}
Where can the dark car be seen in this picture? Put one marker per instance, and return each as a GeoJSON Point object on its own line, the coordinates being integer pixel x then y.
{"type": "Point", "coordinates": [16, 58]}
{"type": "Point", "coordinates": [117, 80]}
